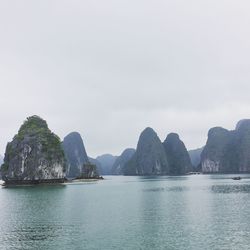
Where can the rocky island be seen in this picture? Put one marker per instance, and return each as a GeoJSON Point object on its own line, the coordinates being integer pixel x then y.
{"type": "Point", "coordinates": [150, 157]}
{"type": "Point", "coordinates": [37, 155]}
{"type": "Point", "coordinates": [78, 163]}
{"type": "Point", "coordinates": [75, 154]}
{"type": "Point", "coordinates": [34, 156]}
{"type": "Point", "coordinates": [227, 151]}
{"type": "Point", "coordinates": [177, 155]}
{"type": "Point", "coordinates": [118, 166]}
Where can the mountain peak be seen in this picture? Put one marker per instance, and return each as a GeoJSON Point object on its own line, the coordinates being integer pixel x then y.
{"type": "Point", "coordinates": [242, 124]}
{"type": "Point", "coordinates": [75, 154]}
{"type": "Point", "coordinates": [177, 155]}
{"type": "Point", "coordinates": [149, 158]}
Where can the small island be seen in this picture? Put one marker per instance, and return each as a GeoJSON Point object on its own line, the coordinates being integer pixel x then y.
{"type": "Point", "coordinates": [36, 156]}
{"type": "Point", "coordinates": [89, 173]}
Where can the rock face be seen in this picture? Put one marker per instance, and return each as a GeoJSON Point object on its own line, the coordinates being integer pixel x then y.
{"type": "Point", "coordinates": [1, 160]}
{"type": "Point", "coordinates": [215, 152]}
{"type": "Point", "coordinates": [34, 155]}
{"type": "Point", "coordinates": [178, 158]}
{"type": "Point", "coordinates": [118, 166]}
{"type": "Point", "coordinates": [195, 156]}
{"type": "Point", "coordinates": [97, 164]}
{"type": "Point", "coordinates": [227, 151]}
{"type": "Point", "coordinates": [149, 158]}
{"type": "Point", "coordinates": [242, 142]}
{"type": "Point", "coordinates": [89, 172]}
{"type": "Point", "coordinates": [106, 161]}
{"type": "Point", "coordinates": [75, 154]}
{"type": "Point", "coordinates": [243, 123]}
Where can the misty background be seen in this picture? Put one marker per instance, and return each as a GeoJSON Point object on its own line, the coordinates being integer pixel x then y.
{"type": "Point", "coordinates": [108, 69]}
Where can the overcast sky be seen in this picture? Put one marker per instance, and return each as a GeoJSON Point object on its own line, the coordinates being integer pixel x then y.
{"type": "Point", "coordinates": [108, 69]}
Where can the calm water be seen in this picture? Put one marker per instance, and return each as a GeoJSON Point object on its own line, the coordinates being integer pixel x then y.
{"type": "Point", "coordinates": [193, 212]}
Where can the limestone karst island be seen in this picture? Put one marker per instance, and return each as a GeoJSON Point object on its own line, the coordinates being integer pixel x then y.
{"type": "Point", "coordinates": [36, 156]}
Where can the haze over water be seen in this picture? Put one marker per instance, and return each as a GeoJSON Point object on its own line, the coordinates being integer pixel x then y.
{"type": "Point", "coordinates": [189, 212]}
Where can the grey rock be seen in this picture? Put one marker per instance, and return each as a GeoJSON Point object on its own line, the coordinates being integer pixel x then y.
{"type": "Point", "coordinates": [118, 166]}
{"type": "Point", "coordinates": [75, 154]}
{"type": "Point", "coordinates": [213, 157]}
{"type": "Point", "coordinates": [1, 160]}
{"type": "Point", "coordinates": [149, 158]}
{"type": "Point", "coordinates": [244, 123]}
{"type": "Point", "coordinates": [177, 155]}
{"type": "Point", "coordinates": [89, 172]}
{"type": "Point", "coordinates": [242, 142]}
{"type": "Point", "coordinates": [227, 151]}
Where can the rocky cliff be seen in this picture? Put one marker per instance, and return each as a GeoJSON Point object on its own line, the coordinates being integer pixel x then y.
{"type": "Point", "coordinates": [75, 154]}
{"type": "Point", "coordinates": [34, 154]}
{"type": "Point", "coordinates": [89, 172]}
{"type": "Point", "coordinates": [1, 160]}
{"type": "Point", "coordinates": [214, 155]}
{"type": "Point", "coordinates": [118, 166]}
{"type": "Point", "coordinates": [149, 158]}
{"type": "Point", "coordinates": [242, 142]}
{"type": "Point", "coordinates": [227, 151]}
{"type": "Point", "coordinates": [178, 158]}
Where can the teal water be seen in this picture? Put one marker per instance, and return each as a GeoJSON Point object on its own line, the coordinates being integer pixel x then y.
{"type": "Point", "coordinates": [189, 212]}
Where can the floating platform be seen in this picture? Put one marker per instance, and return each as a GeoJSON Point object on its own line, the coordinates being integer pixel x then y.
{"type": "Point", "coordinates": [32, 182]}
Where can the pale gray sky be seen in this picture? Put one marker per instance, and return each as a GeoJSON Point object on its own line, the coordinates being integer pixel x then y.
{"type": "Point", "coordinates": [108, 69]}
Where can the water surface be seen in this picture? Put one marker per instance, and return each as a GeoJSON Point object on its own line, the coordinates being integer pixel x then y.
{"type": "Point", "coordinates": [189, 212]}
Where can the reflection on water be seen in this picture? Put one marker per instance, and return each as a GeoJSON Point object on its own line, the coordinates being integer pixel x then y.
{"type": "Point", "coordinates": [245, 188]}
{"type": "Point", "coordinates": [154, 190]}
{"type": "Point", "coordinates": [189, 212]}
{"type": "Point", "coordinates": [167, 189]}
{"type": "Point", "coordinates": [37, 232]}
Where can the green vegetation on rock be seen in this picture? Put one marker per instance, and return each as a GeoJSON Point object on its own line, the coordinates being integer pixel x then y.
{"type": "Point", "coordinates": [34, 153]}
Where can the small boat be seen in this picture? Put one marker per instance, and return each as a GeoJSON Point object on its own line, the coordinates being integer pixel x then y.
{"type": "Point", "coordinates": [238, 178]}
{"type": "Point", "coordinates": [193, 173]}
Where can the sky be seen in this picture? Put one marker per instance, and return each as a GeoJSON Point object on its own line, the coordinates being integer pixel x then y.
{"type": "Point", "coordinates": [108, 69]}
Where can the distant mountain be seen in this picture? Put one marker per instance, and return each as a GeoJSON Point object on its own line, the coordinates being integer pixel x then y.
{"type": "Point", "coordinates": [118, 166]}
{"type": "Point", "coordinates": [227, 151]}
{"type": "Point", "coordinates": [75, 154]}
{"type": "Point", "coordinates": [178, 158]}
{"type": "Point", "coordinates": [195, 156]}
{"type": "Point", "coordinates": [107, 162]}
{"type": "Point", "coordinates": [149, 158]}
